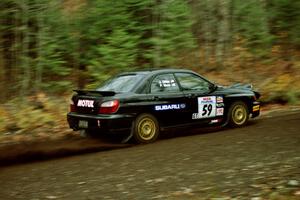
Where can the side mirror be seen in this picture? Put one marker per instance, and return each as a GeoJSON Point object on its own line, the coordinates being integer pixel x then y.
{"type": "Point", "coordinates": [212, 87]}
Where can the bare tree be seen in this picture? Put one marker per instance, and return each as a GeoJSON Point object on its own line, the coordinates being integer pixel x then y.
{"type": "Point", "coordinates": [222, 31]}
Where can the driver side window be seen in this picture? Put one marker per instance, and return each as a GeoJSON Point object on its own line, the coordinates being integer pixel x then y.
{"type": "Point", "coordinates": [190, 81]}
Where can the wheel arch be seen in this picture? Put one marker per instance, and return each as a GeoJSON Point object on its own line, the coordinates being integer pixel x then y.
{"type": "Point", "coordinates": [246, 99]}
{"type": "Point", "coordinates": [154, 114]}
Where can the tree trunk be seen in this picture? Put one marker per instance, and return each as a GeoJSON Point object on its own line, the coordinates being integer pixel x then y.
{"type": "Point", "coordinates": [7, 49]}
{"type": "Point", "coordinates": [207, 31]}
{"type": "Point", "coordinates": [25, 51]}
{"type": "Point", "coordinates": [156, 14]}
{"type": "Point", "coordinates": [40, 49]}
{"type": "Point", "coordinates": [223, 32]}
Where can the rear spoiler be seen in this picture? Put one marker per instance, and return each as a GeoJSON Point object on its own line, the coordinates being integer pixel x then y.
{"type": "Point", "coordinates": [102, 93]}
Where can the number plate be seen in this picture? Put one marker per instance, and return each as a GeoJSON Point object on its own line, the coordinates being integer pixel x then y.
{"type": "Point", "coordinates": [207, 106]}
{"type": "Point", "coordinates": [83, 124]}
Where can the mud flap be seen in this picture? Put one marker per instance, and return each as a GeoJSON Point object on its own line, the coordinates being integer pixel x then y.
{"type": "Point", "coordinates": [126, 139]}
{"type": "Point", "coordinates": [225, 123]}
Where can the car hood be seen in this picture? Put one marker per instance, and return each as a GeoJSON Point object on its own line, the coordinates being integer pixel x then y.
{"type": "Point", "coordinates": [238, 89]}
{"type": "Point", "coordinates": [241, 86]}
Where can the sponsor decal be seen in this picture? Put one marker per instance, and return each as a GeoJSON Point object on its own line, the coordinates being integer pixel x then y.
{"type": "Point", "coordinates": [220, 111]}
{"type": "Point", "coordinates": [206, 107]}
{"type": "Point", "coordinates": [220, 105]}
{"type": "Point", "coordinates": [196, 116]}
{"type": "Point", "coordinates": [170, 107]}
{"type": "Point", "coordinates": [255, 108]}
{"type": "Point", "coordinates": [85, 103]}
{"type": "Point", "coordinates": [214, 121]}
{"type": "Point", "coordinates": [219, 99]}
{"type": "Point", "coordinates": [182, 105]}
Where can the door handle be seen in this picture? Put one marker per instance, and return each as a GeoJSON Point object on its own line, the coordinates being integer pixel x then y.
{"type": "Point", "coordinates": [190, 95]}
{"type": "Point", "coordinates": [154, 98]}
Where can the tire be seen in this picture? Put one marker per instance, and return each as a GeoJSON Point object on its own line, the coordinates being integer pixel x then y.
{"type": "Point", "coordinates": [238, 114]}
{"type": "Point", "coordinates": [145, 129]}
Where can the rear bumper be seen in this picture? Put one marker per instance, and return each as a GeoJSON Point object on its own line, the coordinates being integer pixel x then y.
{"type": "Point", "coordinates": [255, 109]}
{"type": "Point", "coordinates": [104, 123]}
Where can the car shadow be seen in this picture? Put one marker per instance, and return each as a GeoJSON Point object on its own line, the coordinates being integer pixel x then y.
{"type": "Point", "coordinates": [186, 132]}
{"type": "Point", "coordinates": [13, 154]}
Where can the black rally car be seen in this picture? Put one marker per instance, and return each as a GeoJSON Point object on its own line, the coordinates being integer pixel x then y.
{"type": "Point", "coordinates": [144, 103]}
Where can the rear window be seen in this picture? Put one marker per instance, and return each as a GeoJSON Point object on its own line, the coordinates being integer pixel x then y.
{"type": "Point", "coordinates": [123, 83]}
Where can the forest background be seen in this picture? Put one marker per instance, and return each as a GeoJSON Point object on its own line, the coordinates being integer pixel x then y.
{"type": "Point", "coordinates": [49, 47]}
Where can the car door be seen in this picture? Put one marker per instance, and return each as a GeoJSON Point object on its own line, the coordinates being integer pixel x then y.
{"type": "Point", "coordinates": [202, 104]}
{"type": "Point", "coordinates": [168, 101]}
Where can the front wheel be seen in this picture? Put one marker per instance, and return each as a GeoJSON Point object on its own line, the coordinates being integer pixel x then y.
{"type": "Point", "coordinates": [145, 129]}
{"type": "Point", "coordinates": [238, 114]}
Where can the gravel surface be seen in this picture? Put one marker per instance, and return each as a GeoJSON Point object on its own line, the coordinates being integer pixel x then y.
{"type": "Point", "coordinates": [256, 162]}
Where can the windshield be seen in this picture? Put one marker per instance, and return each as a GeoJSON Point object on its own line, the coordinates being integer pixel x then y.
{"type": "Point", "coordinates": [123, 83]}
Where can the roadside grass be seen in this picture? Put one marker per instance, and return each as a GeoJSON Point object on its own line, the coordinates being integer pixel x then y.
{"type": "Point", "coordinates": [38, 116]}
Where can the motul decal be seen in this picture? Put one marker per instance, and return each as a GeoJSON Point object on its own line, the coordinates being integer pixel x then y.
{"type": "Point", "coordinates": [85, 103]}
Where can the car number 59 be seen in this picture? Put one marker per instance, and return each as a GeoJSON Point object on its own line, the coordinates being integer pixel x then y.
{"type": "Point", "coordinates": [206, 111]}
{"type": "Point", "coordinates": [207, 106]}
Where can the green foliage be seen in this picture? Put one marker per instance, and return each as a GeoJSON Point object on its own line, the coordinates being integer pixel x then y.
{"type": "Point", "coordinates": [57, 87]}
{"type": "Point", "coordinates": [286, 22]}
{"type": "Point", "coordinates": [120, 49]}
{"type": "Point", "coordinates": [171, 33]}
{"type": "Point", "coordinates": [53, 48]}
{"type": "Point", "coordinates": [54, 45]}
{"type": "Point", "coordinates": [252, 24]}
{"type": "Point", "coordinates": [132, 34]}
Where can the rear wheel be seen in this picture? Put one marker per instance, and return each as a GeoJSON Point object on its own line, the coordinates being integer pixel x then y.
{"type": "Point", "coordinates": [238, 114]}
{"type": "Point", "coordinates": [146, 129]}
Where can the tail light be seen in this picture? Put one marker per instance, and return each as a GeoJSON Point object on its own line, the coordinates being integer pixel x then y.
{"type": "Point", "coordinates": [109, 107]}
{"type": "Point", "coordinates": [72, 106]}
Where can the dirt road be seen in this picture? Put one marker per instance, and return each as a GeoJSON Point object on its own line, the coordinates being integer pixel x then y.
{"type": "Point", "coordinates": [260, 161]}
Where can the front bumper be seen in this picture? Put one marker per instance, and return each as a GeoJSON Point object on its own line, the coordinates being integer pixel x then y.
{"type": "Point", "coordinates": [105, 123]}
{"type": "Point", "coordinates": [255, 109]}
